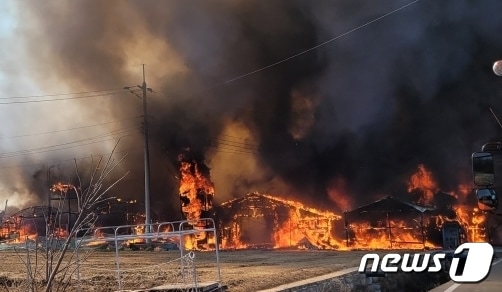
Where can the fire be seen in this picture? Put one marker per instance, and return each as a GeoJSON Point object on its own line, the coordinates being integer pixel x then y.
{"type": "Point", "coordinates": [60, 233]}
{"type": "Point", "coordinates": [196, 190]}
{"type": "Point", "coordinates": [290, 223]}
{"type": "Point", "coordinates": [473, 221]}
{"type": "Point", "coordinates": [300, 206]}
{"type": "Point", "coordinates": [337, 194]}
{"type": "Point", "coordinates": [304, 232]}
{"type": "Point", "coordinates": [426, 229]}
{"type": "Point", "coordinates": [16, 234]}
{"type": "Point", "coordinates": [233, 237]}
{"type": "Point", "coordinates": [61, 187]}
{"type": "Point", "coordinates": [196, 194]}
{"type": "Point", "coordinates": [423, 181]}
{"type": "Point", "coordinates": [463, 192]}
{"type": "Point", "coordinates": [304, 227]}
{"type": "Point", "coordinates": [266, 220]}
{"type": "Point", "coordinates": [390, 234]}
{"type": "Point", "coordinates": [27, 224]}
{"type": "Point", "coordinates": [469, 217]}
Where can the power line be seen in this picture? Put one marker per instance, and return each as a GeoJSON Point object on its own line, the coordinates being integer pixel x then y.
{"type": "Point", "coordinates": [66, 160]}
{"type": "Point", "coordinates": [75, 146]}
{"type": "Point", "coordinates": [61, 99]}
{"type": "Point", "coordinates": [233, 152]}
{"type": "Point", "coordinates": [240, 139]}
{"type": "Point", "coordinates": [310, 49]}
{"type": "Point", "coordinates": [107, 92]}
{"type": "Point", "coordinates": [61, 94]}
{"type": "Point", "coordinates": [243, 148]}
{"type": "Point", "coordinates": [69, 129]}
{"type": "Point", "coordinates": [118, 131]}
{"type": "Point", "coordinates": [236, 150]}
{"type": "Point", "coordinates": [48, 148]}
{"type": "Point", "coordinates": [238, 146]}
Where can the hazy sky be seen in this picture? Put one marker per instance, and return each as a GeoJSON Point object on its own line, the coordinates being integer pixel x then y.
{"type": "Point", "coordinates": [36, 135]}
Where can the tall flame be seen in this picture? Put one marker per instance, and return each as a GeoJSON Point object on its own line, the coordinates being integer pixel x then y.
{"type": "Point", "coordinates": [423, 181]}
{"type": "Point", "coordinates": [196, 195]}
{"type": "Point", "coordinates": [338, 195]}
{"type": "Point", "coordinates": [469, 217]}
{"type": "Point", "coordinates": [196, 190]}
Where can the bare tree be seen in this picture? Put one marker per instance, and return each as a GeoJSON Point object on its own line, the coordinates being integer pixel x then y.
{"type": "Point", "coordinates": [60, 252]}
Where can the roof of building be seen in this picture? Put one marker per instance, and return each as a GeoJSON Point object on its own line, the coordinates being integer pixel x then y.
{"type": "Point", "coordinates": [388, 204]}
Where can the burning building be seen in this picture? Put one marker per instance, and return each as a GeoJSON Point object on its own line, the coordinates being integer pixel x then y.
{"type": "Point", "coordinates": [27, 223]}
{"type": "Point", "coordinates": [387, 223]}
{"type": "Point", "coordinates": [262, 220]}
{"type": "Point", "coordinates": [57, 217]}
{"type": "Point", "coordinates": [423, 217]}
{"type": "Point", "coordinates": [417, 219]}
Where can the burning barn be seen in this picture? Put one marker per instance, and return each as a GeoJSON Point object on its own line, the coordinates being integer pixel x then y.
{"type": "Point", "coordinates": [386, 223]}
{"type": "Point", "coordinates": [265, 221]}
{"type": "Point", "coordinates": [395, 223]}
{"type": "Point", "coordinates": [33, 221]}
{"type": "Point", "coordinates": [57, 217]}
{"type": "Point", "coordinates": [26, 223]}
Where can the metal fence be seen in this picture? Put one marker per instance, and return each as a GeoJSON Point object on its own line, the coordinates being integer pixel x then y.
{"type": "Point", "coordinates": [172, 271]}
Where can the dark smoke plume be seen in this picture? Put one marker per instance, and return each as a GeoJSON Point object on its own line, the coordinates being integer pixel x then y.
{"type": "Point", "coordinates": [355, 116]}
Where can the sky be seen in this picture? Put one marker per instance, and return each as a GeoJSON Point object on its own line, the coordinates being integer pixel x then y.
{"type": "Point", "coordinates": [36, 136]}
{"type": "Point", "coordinates": [11, 61]}
{"type": "Point", "coordinates": [314, 101]}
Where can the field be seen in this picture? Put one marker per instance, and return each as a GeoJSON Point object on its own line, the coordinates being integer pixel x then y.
{"type": "Point", "coordinates": [244, 270]}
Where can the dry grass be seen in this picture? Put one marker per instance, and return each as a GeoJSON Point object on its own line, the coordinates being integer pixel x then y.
{"type": "Point", "coordinates": [245, 270]}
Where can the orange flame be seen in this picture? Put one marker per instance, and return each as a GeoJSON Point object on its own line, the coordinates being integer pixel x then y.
{"type": "Point", "coordinates": [423, 181]}
{"type": "Point", "coordinates": [192, 184]}
{"type": "Point", "coordinates": [388, 234]}
{"type": "Point", "coordinates": [196, 193]}
{"type": "Point", "coordinates": [305, 226]}
{"type": "Point", "coordinates": [300, 227]}
{"type": "Point", "coordinates": [306, 232]}
{"type": "Point", "coordinates": [232, 238]}
{"type": "Point", "coordinates": [61, 187]}
{"type": "Point", "coordinates": [470, 218]}
{"type": "Point", "coordinates": [13, 231]}
{"type": "Point", "coordinates": [337, 194]}
{"type": "Point", "coordinates": [473, 221]}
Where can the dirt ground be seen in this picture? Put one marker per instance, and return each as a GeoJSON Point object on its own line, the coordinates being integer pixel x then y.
{"type": "Point", "coordinates": [261, 269]}
{"type": "Point", "coordinates": [242, 270]}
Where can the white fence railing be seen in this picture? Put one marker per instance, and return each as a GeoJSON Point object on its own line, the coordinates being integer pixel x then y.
{"type": "Point", "coordinates": [179, 271]}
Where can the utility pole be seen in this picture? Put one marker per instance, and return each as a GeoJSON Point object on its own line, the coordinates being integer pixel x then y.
{"type": "Point", "coordinates": [147, 157]}
{"type": "Point", "coordinates": [144, 89]}
{"type": "Point", "coordinates": [48, 226]}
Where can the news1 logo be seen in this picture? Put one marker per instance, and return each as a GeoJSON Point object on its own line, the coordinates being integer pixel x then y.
{"type": "Point", "coordinates": [471, 262]}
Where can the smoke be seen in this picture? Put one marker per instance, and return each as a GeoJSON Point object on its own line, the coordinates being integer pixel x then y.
{"type": "Point", "coordinates": [354, 117]}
